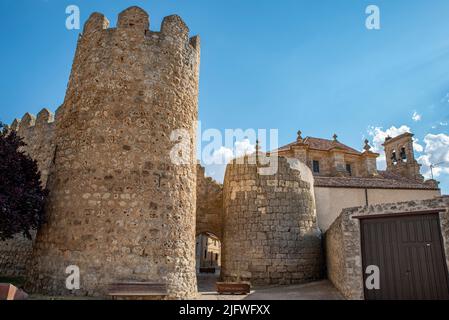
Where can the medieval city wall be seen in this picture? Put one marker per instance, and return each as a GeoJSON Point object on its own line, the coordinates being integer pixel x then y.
{"type": "Point", "coordinates": [270, 220]}
{"type": "Point", "coordinates": [15, 255]}
{"type": "Point", "coordinates": [38, 134]}
{"type": "Point", "coordinates": [122, 209]}
{"type": "Point", "coordinates": [119, 208]}
{"type": "Point", "coordinates": [209, 205]}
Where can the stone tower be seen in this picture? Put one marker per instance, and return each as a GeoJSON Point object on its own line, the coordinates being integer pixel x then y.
{"type": "Point", "coordinates": [400, 156]}
{"type": "Point", "coordinates": [270, 233]}
{"type": "Point", "coordinates": [119, 208]}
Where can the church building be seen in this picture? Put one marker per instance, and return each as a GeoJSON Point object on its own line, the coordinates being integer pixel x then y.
{"type": "Point", "coordinates": [345, 177]}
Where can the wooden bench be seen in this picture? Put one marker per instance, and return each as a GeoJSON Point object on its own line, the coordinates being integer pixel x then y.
{"type": "Point", "coordinates": [136, 290]}
{"type": "Point", "coordinates": [233, 287]}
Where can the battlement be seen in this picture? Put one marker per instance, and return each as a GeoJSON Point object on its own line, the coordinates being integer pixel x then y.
{"type": "Point", "coordinates": [135, 19]}
{"type": "Point", "coordinates": [43, 119]}
{"type": "Point", "coordinates": [38, 133]}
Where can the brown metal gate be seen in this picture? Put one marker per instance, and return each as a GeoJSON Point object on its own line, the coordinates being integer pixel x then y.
{"type": "Point", "coordinates": [408, 249]}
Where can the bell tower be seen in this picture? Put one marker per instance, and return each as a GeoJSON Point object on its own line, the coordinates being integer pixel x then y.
{"type": "Point", "coordinates": [400, 156]}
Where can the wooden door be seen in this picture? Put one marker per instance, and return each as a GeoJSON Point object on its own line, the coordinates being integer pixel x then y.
{"type": "Point", "coordinates": [410, 255]}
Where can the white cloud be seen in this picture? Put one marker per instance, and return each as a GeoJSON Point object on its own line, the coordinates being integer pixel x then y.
{"type": "Point", "coordinates": [416, 116]}
{"type": "Point", "coordinates": [416, 146]}
{"type": "Point", "coordinates": [222, 156]}
{"type": "Point", "coordinates": [244, 147]}
{"type": "Point", "coordinates": [440, 124]}
{"type": "Point", "coordinates": [436, 152]}
{"type": "Point", "coordinates": [382, 162]}
{"type": "Point", "coordinates": [379, 135]}
{"type": "Point", "coordinates": [378, 138]}
{"type": "Point", "coordinates": [216, 166]}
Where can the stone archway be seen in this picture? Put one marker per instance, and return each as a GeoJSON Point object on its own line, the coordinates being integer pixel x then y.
{"type": "Point", "coordinates": [208, 253]}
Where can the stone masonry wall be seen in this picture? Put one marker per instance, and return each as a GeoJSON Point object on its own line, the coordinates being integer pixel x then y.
{"type": "Point", "coordinates": [119, 208]}
{"type": "Point", "coordinates": [334, 255]}
{"type": "Point", "coordinates": [15, 255]}
{"type": "Point", "coordinates": [343, 248]}
{"type": "Point", "coordinates": [209, 205]}
{"type": "Point", "coordinates": [38, 134]}
{"type": "Point", "coordinates": [270, 221]}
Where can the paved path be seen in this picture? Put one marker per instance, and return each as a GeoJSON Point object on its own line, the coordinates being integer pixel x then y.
{"type": "Point", "coordinates": [319, 290]}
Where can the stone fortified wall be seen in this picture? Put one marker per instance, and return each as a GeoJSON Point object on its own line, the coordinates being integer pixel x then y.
{"type": "Point", "coordinates": [119, 208]}
{"type": "Point", "coordinates": [209, 205]}
{"type": "Point", "coordinates": [271, 222]}
{"type": "Point", "coordinates": [15, 256]}
{"type": "Point", "coordinates": [38, 134]}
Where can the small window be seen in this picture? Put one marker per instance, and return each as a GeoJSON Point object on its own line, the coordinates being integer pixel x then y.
{"type": "Point", "coordinates": [316, 166]}
{"type": "Point", "coordinates": [216, 256]}
{"type": "Point", "coordinates": [205, 254]}
{"type": "Point", "coordinates": [349, 169]}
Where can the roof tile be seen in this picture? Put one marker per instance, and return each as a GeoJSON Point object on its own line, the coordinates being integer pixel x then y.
{"type": "Point", "coordinates": [321, 144]}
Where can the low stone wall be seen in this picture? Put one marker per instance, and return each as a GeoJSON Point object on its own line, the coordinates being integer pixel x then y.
{"type": "Point", "coordinates": [343, 247]}
{"type": "Point", "coordinates": [334, 253]}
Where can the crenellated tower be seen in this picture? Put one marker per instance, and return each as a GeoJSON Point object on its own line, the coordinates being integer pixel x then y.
{"type": "Point", "coordinates": [119, 208]}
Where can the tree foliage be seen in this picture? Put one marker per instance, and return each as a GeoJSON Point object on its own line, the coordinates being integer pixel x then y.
{"type": "Point", "coordinates": [21, 194]}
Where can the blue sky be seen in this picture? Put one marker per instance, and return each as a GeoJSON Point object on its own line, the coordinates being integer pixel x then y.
{"type": "Point", "coordinates": [309, 65]}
